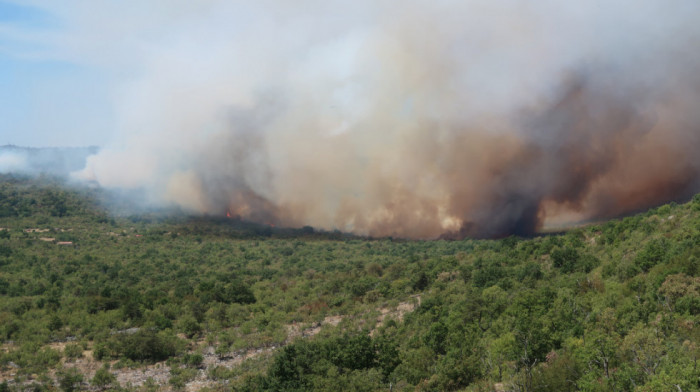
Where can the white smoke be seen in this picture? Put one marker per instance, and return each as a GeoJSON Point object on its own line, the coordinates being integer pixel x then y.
{"type": "Point", "coordinates": [12, 162]}
{"type": "Point", "coordinates": [383, 117]}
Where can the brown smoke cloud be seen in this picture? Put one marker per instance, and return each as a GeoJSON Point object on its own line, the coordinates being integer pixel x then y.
{"type": "Point", "coordinates": [475, 118]}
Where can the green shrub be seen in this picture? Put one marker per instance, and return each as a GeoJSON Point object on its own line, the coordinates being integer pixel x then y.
{"type": "Point", "coordinates": [179, 377]}
{"type": "Point", "coordinates": [193, 360]}
{"type": "Point", "coordinates": [73, 351]}
{"type": "Point", "coordinates": [145, 345]}
{"type": "Point", "coordinates": [566, 259]}
{"type": "Point", "coordinates": [69, 379]}
{"type": "Point", "coordinates": [653, 253]}
{"type": "Point", "coordinates": [103, 377]}
{"type": "Point", "coordinates": [190, 327]}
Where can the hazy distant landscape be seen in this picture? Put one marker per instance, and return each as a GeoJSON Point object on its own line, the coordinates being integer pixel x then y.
{"type": "Point", "coordinates": [52, 161]}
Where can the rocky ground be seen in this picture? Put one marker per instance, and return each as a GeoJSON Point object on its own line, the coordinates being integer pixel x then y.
{"type": "Point", "coordinates": [158, 374]}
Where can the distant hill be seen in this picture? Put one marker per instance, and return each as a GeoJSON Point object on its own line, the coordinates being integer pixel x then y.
{"type": "Point", "coordinates": [56, 161]}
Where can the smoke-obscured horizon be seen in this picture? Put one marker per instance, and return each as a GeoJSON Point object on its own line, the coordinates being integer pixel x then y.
{"type": "Point", "coordinates": [52, 161]}
{"type": "Point", "coordinates": [411, 119]}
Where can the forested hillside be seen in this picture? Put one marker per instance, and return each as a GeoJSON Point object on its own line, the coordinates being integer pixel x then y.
{"type": "Point", "coordinates": [95, 301]}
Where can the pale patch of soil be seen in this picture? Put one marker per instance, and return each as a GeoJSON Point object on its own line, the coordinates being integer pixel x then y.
{"type": "Point", "coordinates": [295, 330]}
{"type": "Point", "coordinates": [396, 313]}
{"type": "Point", "coordinates": [159, 372]}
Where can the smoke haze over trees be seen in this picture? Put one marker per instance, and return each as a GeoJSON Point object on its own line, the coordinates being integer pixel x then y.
{"type": "Point", "coordinates": [473, 118]}
{"type": "Point", "coordinates": [58, 161]}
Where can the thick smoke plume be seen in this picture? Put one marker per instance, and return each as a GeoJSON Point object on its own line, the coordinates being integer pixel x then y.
{"type": "Point", "coordinates": [405, 118]}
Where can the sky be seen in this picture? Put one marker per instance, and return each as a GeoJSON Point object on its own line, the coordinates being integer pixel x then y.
{"type": "Point", "coordinates": [46, 100]}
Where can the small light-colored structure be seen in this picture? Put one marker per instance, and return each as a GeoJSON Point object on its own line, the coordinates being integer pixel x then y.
{"type": "Point", "coordinates": [65, 243]}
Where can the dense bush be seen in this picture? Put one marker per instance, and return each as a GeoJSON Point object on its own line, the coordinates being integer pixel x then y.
{"type": "Point", "coordinates": [605, 307]}
{"type": "Point", "coordinates": [143, 345]}
{"type": "Point", "coordinates": [300, 366]}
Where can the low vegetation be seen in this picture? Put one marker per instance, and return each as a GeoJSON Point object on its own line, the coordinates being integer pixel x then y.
{"type": "Point", "coordinates": [221, 304]}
